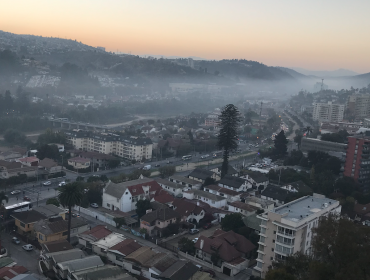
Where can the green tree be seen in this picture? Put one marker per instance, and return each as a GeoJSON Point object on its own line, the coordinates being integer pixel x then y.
{"type": "Point", "coordinates": [142, 206]}
{"type": "Point", "coordinates": [70, 195]}
{"type": "Point", "coordinates": [232, 222]}
{"type": "Point", "coordinates": [48, 151]}
{"type": "Point", "coordinates": [209, 181]}
{"type": "Point", "coordinates": [228, 135]}
{"type": "Point", "coordinates": [53, 201]}
{"type": "Point", "coordinates": [120, 221]}
{"type": "Point", "coordinates": [187, 245]}
{"type": "Point", "coordinates": [215, 257]}
{"type": "Point", "coordinates": [113, 163]}
{"type": "Point", "coordinates": [281, 144]}
{"type": "Point", "coordinates": [166, 171]}
{"type": "Point", "coordinates": [308, 130]}
{"type": "Point", "coordinates": [298, 139]}
{"type": "Point", "coordinates": [191, 137]}
{"type": "Point", "coordinates": [137, 173]}
{"type": "Point", "coordinates": [279, 274]}
{"type": "Point", "coordinates": [16, 137]}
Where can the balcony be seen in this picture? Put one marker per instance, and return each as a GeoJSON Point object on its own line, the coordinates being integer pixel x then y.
{"type": "Point", "coordinates": [286, 233]}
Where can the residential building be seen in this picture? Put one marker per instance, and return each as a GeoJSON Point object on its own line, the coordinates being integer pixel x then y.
{"type": "Point", "coordinates": [188, 211]}
{"type": "Point", "coordinates": [11, 169]}
{"type": "Point", "coordinates": [180, 270]}
{"type": "Point", "coordinates": [287, 229]}
{"type": "Point", "coordinates": [10, 155]}
{"type": "Point", "coordinates": [101, 246]}
{"type": "Point", "coordinates": [174, 188]}
{"type": "Point", "coordinates": [358, 159]}
{"type": "Point", "coordinates": [50, 210]}
{"type": "Point", "coordinates": [201, 175]}
{"type": "Point", "coordinates": [118, 252]}
{"type": "Point", "coordinates": [185, 181]}
{"type": "Point", "coordinates": [276, 194]}
{"type": "Point", "coordinates": [67, 268]}
{"type": "Point", "coordinates": [29, 161]}
{"type": "Point", "coordinates": [212, 120]}
{"type": "Point", "coordinates": [92, 235]}
{"type": "Point", "coordinates": [298, 187]}
{"type": "Point", "coordinates": [335, 127]}
{"type": "Point", "coordinates": [155, 222]}
{"type": "Point", "coordinates": [107, 272]}
{"type": "Point", "coordinates": [313, 144]}
{"type": "Point", "coordinates": [234, 183]}
{"type": "Point", "coordinates": [7, 273]}
{"type": "Point", "coordinates": [163, 197]}
{"type": "Point", "coordinates": [233, 249]}
{"type": "Point", "coordinates": [79, 163]}
{"type": "Point", "coordinates": [209, 198]}
{"type": "Point", "coordinates": [230, 171]}
{"type": "Point", "coordinates": [256, 180]}
{"type": "Point", "coordinates": [136, 259]}
{"type": "Point", "coordinates": [125, 195]}
{"type": "Point", "coordinates": [25, 221]}
{"type": "Point", "coordinates": [230, 195]}
{"type": "Point", "coordinates": [241, 207]}
{"type": "Point", "coordinates": [51, 260]}
{"type": "Point", "coordinates": [99, 160]}
{"type": "Point", "coordinates": [56, 246]}
{"type": "Point", "coordinates": [133, 148]}
{"type": "Point", "coordinates": [328, 112]}
{"type": "Point", "coordinates": [49, 166]}
{"type": "Point", "coordinates": [259, 203]}
{"type": "Point", "coordinates": [359, 105]}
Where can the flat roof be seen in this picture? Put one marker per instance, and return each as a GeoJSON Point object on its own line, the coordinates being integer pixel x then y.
{"type": "Point", "coordinates": [304, 207]}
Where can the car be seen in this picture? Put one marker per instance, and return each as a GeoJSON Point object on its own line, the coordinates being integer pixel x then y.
{"type": "Point", "coordinates": [200, 268]}
{"type": "Point", "coordinates": [15, 240]}
{"type": "Point", "coordinates": [47, 183]}
{"type": "Point", "coordinates": [61, 184]}
{"type": "Point", "coordinates": [94, 205]}
{"type": "Point", "coordinates": [195, 240]}
{"type": "Point", "coordinates": [26, 198]}
{"type": "Point", "coordinates": [211, 272]}
{"type": "Point", "coordinates": [193, 231]}
{"type": "Point", "coordinates": [204, 156]}
{"type": "Point", "coordinates": [27, 247]}
{"type": "Point", "coordinates": [74, 215]}
{"type": "Point", "coordinates": [86, 190]}
{"type": "Point", "coordinates": [157, 165]}
{"type": "Point", "coordinates": [207, 226]}
{"type": "Point", "coordinates": [169, 162]}
{"type": "Point", "coordinates": [15, 192]}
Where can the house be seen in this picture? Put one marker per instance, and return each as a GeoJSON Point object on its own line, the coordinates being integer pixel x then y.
{"type": "Point", "coordinates": [185, 181]}
{"type": "Point", "coordinates": [233, 249]}
{"type": "Point", "coordinates": [50, 210]}
{"type": "Point", "coordinates": [125, 195]}
{"type": "Point", "coordinates": [298, 187]}
{"type": "Point", "coordinates": [231, 171]}
{"type": "Point", "coordinates": [79, 163]}
{"type": "Point", "coordinates": [25, 221]}
{"type": "Point", "coordinates": [11, 169]}
{"type": "Point", "coordinates": [7, 273]}
{"type": "Point", "coordinates": [230, 195]}
{"type": "Point", "coordinates": [56, 228]}
{"type": "Point", "coordinates": [56, 246]}
{"type": "Point", "coordinates": [101, 246]}
{"type": "Point", "coordinates": [207, 197]}
{"type": "Point", "coordinates": [260, 203]}
{"type": "Point", "coordinates": [174, 188]}
{"type": "Point", "coordinates": [29, 161]}
{"type": "Point", "coordinates": [256, 180]}
{"type": "Point", "coordinates": [108, 272]}
{"type": "Point", "coordinates": [164, 197]}
{"type": "Point", "coordinates": [133, 262]}
{"type": "Point", "coordinates": [361, 212]}
{"type": "Point", "coordinates": [9, 155]}
{"type": "Point", "coordinates": [201, 175]}
{"type": "Point", "coordinates": [65, 269]}
{"type": "Point", "coordinates": [156, 221]}
{"type": "Point", "coordinates": [189, 212]}
{"type": "Point", "coordinates": [50, 166]}
{"type": "Point", "coordinates": [97, 159]}
{"type": "Point", "coordinates": [233, 183]}
{"type": "Point", "coordinates": [96, 233]}
{"type": "Point", "coordinates": [275, 194]}
{"type": "Point", "coordinates": [118, 252]}
{"type": "Point", "coordinates": [52, 260]}
{"type": "Point", "coordinates": [242, 208]}
{"type": "Point", "coordinates": [181, 270]}
{"type": "Point", "coordinates": [24, 277]}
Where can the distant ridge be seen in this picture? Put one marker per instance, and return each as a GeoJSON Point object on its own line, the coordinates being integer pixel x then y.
{"type": "Point", "coordinates": [326, 74]}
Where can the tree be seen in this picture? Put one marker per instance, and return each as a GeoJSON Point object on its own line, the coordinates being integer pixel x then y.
{"type": "Point", "coordinates": [173, 228]}
{"type": "Point", "coordinates": [3, 197]}
{"type": "Point", "coordinates": [308, 130]}
{"type": "Point", "coordinates": [281, 144]}
{"type": "Point", "coordinates": [167, 171]}
{"type": "Point", "coordinates": [113, 163]}
{"type": "Point", "coordinates": [232, 222]}
{"type": "Point", "coordinates": [142, 206]}
{"type": "Point", "coordinates": [228, 135]}
{"type": "Point", "coordinates": [191, 137]}
{"type": "Point", "coordinates": [70, 195]}
{"type": "Point", "coordinates": [48, 151]}
{"type": "Point", "coordinates": [16, 137]}
{"type": "Point", "coordinates": [209, 181]}
{"type": "Point", "coordinates": [215, 257]}
{"type": "Point", "coordinates": [187, 245]}
{"type": "Point", "coordinates": [120, 221]}
{"type": "Point", "coordinates": [137, 173]}
{"type": "Point", "coordinates": [53, 201]}
{"type": "Point", "coordinates": [298, 139]}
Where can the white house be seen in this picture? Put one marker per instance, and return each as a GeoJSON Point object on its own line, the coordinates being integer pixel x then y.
{"type": "Point", "coordinates": [260, 203]}
{"type": "Point", "coordinates": [188, 211]}
{"type": "Point", "coordinates": [118, 252]}
{"type": "Point", "coordinates": [101, 246]}
{"type": "Point", "coordinates": [230, 195]}
{"type": "Point", "coordinates": [233, 183]}
{"type": "Point", "coordinates": [241, 207]}
{"type": "Point", "coordinates": [256, 180]}
{"type": "Point", "coordinates": [174, 188]}
{"type": "Point", "coordinates": [185, 181]}
{"type": "Point", "coordinates": [209, 198]}
{"type": "Point", "coordinates": [124, 196]}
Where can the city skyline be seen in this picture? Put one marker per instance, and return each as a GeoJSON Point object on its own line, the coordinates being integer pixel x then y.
{"type": "Point", "coordinates": [312, 35]}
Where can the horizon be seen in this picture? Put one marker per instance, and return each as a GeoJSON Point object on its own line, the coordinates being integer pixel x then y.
{"type": "Point", "coordinates": [312, 35]}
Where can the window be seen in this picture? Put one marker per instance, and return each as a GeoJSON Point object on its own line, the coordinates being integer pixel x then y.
{"type": "Point", "coordinates": [65, 233]}
{"type": "Point", "coordinates": [260, 256]}
{"type": "Point", "coordinates": [108, 205]}
{"type": "Point", "coordinates": [134, 267]}
{"type": "Point", "coordinates": [154, 276]}
{"type": "Point", "coordinates": [259, 264]}
{"type": "Point", "coordinates": [213, 202]}
{"type": "Point", "coordinates": [262, 239]}
{"type": "Point", "coordinates": [22, 225]}
{"type": "Point", "coordinates": [41, 237]}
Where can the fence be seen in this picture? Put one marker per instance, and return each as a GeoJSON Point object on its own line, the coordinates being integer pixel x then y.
{"type": "Point", "coordinates": [99, 216]}
{"type": "Point", "coordinates": [203, 263]}
{"type": "Point", "coordinates": [169, 247]}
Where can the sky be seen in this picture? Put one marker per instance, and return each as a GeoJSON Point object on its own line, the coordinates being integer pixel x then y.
{"type": "Point", "coordinates": [312, 34]}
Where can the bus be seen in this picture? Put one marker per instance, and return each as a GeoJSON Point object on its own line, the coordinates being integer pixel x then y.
{"type": "Point", "coordinates": [186, 157]}
{"type": "Point", "coordinates": [18, 207]}
{"type": "Point", "coordinates": [217, 154]}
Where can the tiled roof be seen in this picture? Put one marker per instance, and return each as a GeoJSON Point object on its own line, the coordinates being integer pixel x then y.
{"type": "Point", "coordinates": [244, 206]}
{"type": "Point", "coordinates": [134, 186]}
{"type": "Point", "coordinates": [57, 246]}
{"type": "Point", "coordinates": [47, 163]}
{"type": "Point", "coordinates": [201, 173]}
{"type": "Point", "coordinates": [221, 190]}
{"type": "Point", "coordinates": [11, 272]}
{"type": "Point", "coordinates": [181, 270]}
{"type": "Point", "coordinates": [275, 192]}
{"type": "Point", "coordinates": [258, 177]}
{"type": "Point", "coordinates": [141, 255]}
{"type": "Point", "coordinates": [185, 208]}
{"type": "Point", "coordinates": [184, 179]}
{"type": "Point", "coordinates": [208, 195]}
{"type": "Point", "coordinates": [79, 160]}
{"type": "Point", "coordinates": [126, 246]}
{"type": "Point", "coordinates": [98, 232]}
{"type": "Point", "coordinates": [232, 181]}
{"type": "Point", "coordinates": [10, 165]}
{"type": "Point", "coordinates": [160, 214]}
{"type": "Point", "coordinates": [28, 217]}
{"type": "Point", "coordinates": [28, 159]}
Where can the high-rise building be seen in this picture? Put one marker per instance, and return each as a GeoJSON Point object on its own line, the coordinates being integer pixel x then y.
{"type": "Point", "coordinates": [357, 164]}
{"type": "Point", "coordinates": [288, 229]}
{"type": "Point", "coordinates": [358, 105]}
{"type": "Point", "coordinates": [328, 112]}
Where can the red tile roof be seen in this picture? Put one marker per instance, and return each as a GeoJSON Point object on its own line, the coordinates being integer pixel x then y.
{"type": "Point", "coordinates": [185, 208]}
{"type": "Point", "coordinates": [138, 189]}
{"type": "Point", "coordinates": [29, 159]}
{"type": "Point", "coordinates": [11, 272]}
{"type": "Point", "coordinates": [98, 232]}
{"type": "Point", "coordinates": [126, 246]}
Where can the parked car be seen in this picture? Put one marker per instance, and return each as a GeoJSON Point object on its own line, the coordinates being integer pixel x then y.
{"type": "Point", "coordinates": [47, 183]}
{"type": "Point", "coordinates": [15, 192]}
{"type": "Point", "coordinates": [157, 165]}
{"type": "Point", "coordinates": [195, 240]}
{"type": "Point", "coordinates": [61, 184]}
{"type": "Point", "coordinates": [27, 247]}
{"type": "Point", "coordinates": [169, 162]}
{"type": "Point", "coordinates": [199, 267]}
{"type": "Point", "coordinates": [193, 231]}
{"type": "Point", "coordinates": [26, 198]}
{"type": "Point", "coordinates": [204, 156]}
{"type": "Point", "coordinates": [211, 272]}
{"type": "Point", "coordinates": [207, 226]}
{"type": "Point", "coordinates": [94, 205]}
{"type": "Point", "coordinates": [15, 240]}
{"type": "Point", "coordinates": [74, 215]}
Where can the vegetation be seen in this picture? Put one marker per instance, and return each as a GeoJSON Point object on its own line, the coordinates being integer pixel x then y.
{"type": "Point", "coordinates": [339, 137]}
{"type": "Point", "coordinates": [70, 195]}
{"type": "Point", "coordinates": [15, 137]}
{"type": "Point", "coordinates": [281, 144]}
{"type": "Point", "coordinates": [232, 221]}
{"type": "Point", "coordinates": [120, 221]}
{"type": "Point", "coordinates": [53, 201]}
{"type": "Point", "coordinates": [167, 171]}
{"type": "Point", "coordinates": [228, 135]}
{"type": "Point", "coordinates": [142, 206]}
{"type": "Point", "coordinates": [187, 245]}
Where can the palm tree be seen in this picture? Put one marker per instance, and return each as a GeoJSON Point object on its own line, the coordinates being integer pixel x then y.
{"type": "Point", "coordinates": [70, 195]}
{"type": "Point", "coordinates": [308, 130]}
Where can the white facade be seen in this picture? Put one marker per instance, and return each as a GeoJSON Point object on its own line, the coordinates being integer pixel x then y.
{"type": "Point", "coordinates": [288, 229]}
{"type": "Point", "coordinates": [211, 199]}
{"type": "Point", "coordinates": [101, 246]}
{"type": "Point", "coordinates": [328, 112]}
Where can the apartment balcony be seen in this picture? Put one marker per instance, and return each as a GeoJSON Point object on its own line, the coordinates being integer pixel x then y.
{"type": "Point", "coordinates": [286, 244]}
{"type": "Point", "coordinates": [286, 233]}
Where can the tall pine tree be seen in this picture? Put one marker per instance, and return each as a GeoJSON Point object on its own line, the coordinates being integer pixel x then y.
{"type": "Point", "coordinates": [228, 136]}
{"type": "Point", "coordinates": [281, 144]}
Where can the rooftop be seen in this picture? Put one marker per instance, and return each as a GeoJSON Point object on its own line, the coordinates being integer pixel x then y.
{"type": "Point", "coordinates": [184, 179]}
{"type": "Point", "coordinates": [110, 240]}
{"type": "Point", "coordinates": [28, 217]}
{"type": "Point", "coordinates": [126, 246]}
{"type": "Point", "coordinates": [97, 232]}
{"type": "Point", "coordinates": [79, 160]}
{"type": "Point", "coordinates": [135, 187]}
{"type": "Point", "coordinates": [208, 195]}
{"type": "Point", "coordinates": [63, 256]}
{"type": "Point", "coordinates": [170, 184]}
{"type": "Point", "coordinates": [180, 270]}
{"type": "Point", "coordinates": [57, 246]}
{"type": "Point", "coordinates": [222, 190]}
{"type": "Point", "coordinates": [162, 214]}
{"type": "Point", "coordinates": [106, 272]}
{"type": "Point", "coordinates": [232, 181]}
{"type": "Point", "coordinates": [80, 264]}
{"type": "Point", "coordinates": [49, 210]}
{"type": "Point", "coordinates": [201, 173]}
{"type": "Point", "coordinates": [141, 255]}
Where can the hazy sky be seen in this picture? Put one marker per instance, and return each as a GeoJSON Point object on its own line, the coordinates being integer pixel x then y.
{"type": "Point", "coordinates": [314, 34]}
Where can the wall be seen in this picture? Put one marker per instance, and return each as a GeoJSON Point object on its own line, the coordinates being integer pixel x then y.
{"type": "Point", "coordinates": [111, 200]}
{"type": "Point", "coordinates": [101, 217]}
{"type": "Point", "coordinates": [201, 262]}
{"type": "Point", "coordinates": [21, 230]}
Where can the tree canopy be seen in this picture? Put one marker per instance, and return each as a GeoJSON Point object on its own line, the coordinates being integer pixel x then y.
{"type": "Point", "coordinates": [281, 144]}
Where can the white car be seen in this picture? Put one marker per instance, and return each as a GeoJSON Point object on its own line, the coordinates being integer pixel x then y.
{"type": "Point", "coordinates": [47, 183]}
{"type": "Point", "coordinates": [61, 184]}
{"type": "Point", "coordinates": [27, 247]}
{"type": "Point", "coordinates": [195, 240]}
{"type": "Point", "coordinates": [205, 156]}
{"type": "Point", "coordinates": [94, 205]}
{"type": "Point", "coordinates": [15, 192]}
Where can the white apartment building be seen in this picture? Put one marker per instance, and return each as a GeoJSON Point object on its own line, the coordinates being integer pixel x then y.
{"type": "Point", "coordinates": [288, 229]}
{"type": "Point", "coordinates": [328, 112]}
{"type": "Point", "coordinates": [133, 148]}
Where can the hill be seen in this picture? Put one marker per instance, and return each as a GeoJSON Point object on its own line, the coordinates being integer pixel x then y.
{"type": "Point", "coordinates": [326, 74]}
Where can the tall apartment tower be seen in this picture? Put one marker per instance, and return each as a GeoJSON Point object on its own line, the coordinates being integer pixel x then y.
{"type": "Point", "coordinates": [288, 229]}
{"type": "Point", "coordinates": [359, 105]}
{"type": "Point", "coordinates": [328, 112]}
{"type": "Point", "coordinates": [357, 164]}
